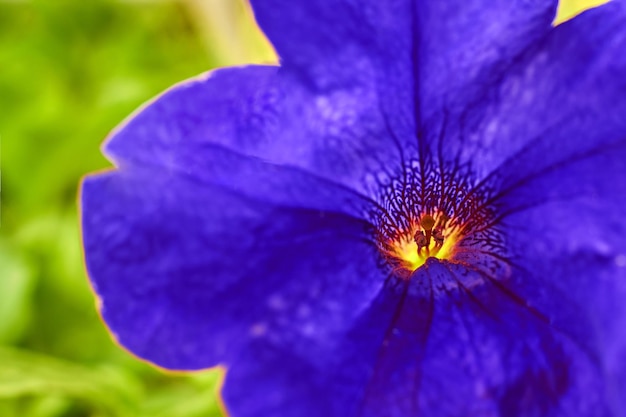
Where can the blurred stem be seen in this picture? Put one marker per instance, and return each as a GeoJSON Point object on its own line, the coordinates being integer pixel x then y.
{"type": "Point", "coordinates": [230, 32]}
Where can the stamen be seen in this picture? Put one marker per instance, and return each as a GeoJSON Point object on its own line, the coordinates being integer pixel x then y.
{"type": "Point", "coordinates": [420, 240]}
{"type": "Point", "coordinates": [422, 216]}
{"type": "Point", "coordinates": [427, 224]}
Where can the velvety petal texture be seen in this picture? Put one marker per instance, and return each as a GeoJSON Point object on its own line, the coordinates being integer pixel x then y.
{"type": "Point", "coordinates": [443, 52]}
{"type": "Point", "coordinates": [187, 285]}
{"type": "Point", "coordinates": [565, 218]}
{"type": "Point", "coordinates": [450, 342]}
{"type": "Point", "coordinates": [573, 79]}
{"type": "Point", "coordinates": [265, 113]}
{"type": "Point", "coordinates": [242, 224]}
{"type": "Point", "coordinates": [463, 47]}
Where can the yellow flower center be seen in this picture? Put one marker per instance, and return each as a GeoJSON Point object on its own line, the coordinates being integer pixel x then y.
{"type": "Point", "coordinates": [429, 236]}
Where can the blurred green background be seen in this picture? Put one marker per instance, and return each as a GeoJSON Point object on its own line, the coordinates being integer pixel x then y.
{"type": "Point", "coordinates": [70, 71]}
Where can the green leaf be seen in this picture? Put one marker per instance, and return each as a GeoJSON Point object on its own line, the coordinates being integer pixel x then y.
{"type": "Point", "coordinates": [16, 284]}
{"type": "Point", "coordinates": [198, 399]}
{"type": "Point", "coordinates": [26, 374]}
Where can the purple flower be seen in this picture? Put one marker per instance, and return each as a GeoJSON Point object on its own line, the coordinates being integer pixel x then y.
{"type": "Point", "coordinates": [419, 212]}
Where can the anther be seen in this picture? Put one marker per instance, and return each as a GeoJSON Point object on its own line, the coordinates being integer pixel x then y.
{"type": "Point", "coordinates": [420, 240]}
{"type": "Point", "coordinates": [438, 235]}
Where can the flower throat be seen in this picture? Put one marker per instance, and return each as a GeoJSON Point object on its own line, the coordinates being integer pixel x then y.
{"type": "Point", "coordinates": [428, 211]}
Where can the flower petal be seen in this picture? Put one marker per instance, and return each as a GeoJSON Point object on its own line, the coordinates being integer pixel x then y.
{"type": "Point", "coordinates": [364, 47]}
{"type": "Point", "coordinates": [505, 356]}
{"type": "Point", "coordinates": [563, 214]}
{"type": "Point", "coordinates": [573, 80]}
{"type": "Point", "coordinates": [427, 54]}
{"type": "Point", "coordinates": [561, 193]}
{"type": "Point", "coordinates": [433, 346]}
{"type": "Point", "coordinates": [230, 107]}
{"type": "Point", "coordinates": [333, 43]}
{"type": "Point", "coordinates": [189, 272]}
{"type": "Point", "coordinates": [581, 293]}
{"type": "Point", "coordinates": [340, 135]}
{"type": "Point", "coordinates": [332, 38]}
{"type": "Point", "coordinates": [315, 379]}
{"type": "Point", "coordinates": [464, 46]}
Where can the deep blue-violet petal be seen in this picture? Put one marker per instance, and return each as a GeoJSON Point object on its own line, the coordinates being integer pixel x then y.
{"type": "Point", "coordinates": [574, 79]}
{"type": "Point", "coordinates": [228, 107]}
{"type": "Point", "coordinates": [339, 134]}
{"type": "Point", "coordinates": [347, 378]}
{"type": "Point", "coordinates": [449, 342]}
{"type": "Point", "coordinates": [563, 213]}
{"type": "Point", "coordinates": [463, 47]}
{"type": "Point", "coordinates": [334, 43]}
{"type": "Point", "coordinates": [581, 293]}
{"type": "Point", "coordinates": [188, 273]}
{"type": "Point", "coordinates": [421, 56]}
{"type": "Point", "coordinates": [337, 44]}
{"type": "Point", "coordinates": [505, 356]}
{"type": "Point", "coordinates": [560, 197]}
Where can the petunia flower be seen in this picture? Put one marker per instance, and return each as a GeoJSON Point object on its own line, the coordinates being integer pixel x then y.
{"type": "Point", "coordinates": [419, 212]}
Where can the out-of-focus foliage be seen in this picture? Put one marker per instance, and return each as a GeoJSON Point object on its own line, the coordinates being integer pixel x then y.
{"type": "Point", "coordinates": [70, 70]}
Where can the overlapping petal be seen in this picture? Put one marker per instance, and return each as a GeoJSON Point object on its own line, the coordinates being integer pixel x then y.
{"type": "Point", "coordinates": [464, 47]}
{"type": "Point", "coordinates": [231, 107]}
{"type": "Point", "coordinates": [581, 293]}
{"type": "Point", "coordinates": [564, 216]}
{"type": "Point", "coordinates": [448, 47]}
{"type": "Point", "coordinates": [189, 272]}
{"type": "Point", "coordinates": [422, 56]}
{"type": "Point", "coordinates": [450, 342]}
{"type": "Point", "coordinates": [261, 111]}
{"type": "Point", "coordinates": [348, 128]}
{"type": "Point", "coordinates": [573, 78]}
{"type": "Point", "coordinates": [337, 381]}
{"type": "Point", "coordinates": [561, 193]}
{"type": "Point", "coordinates": [501, 356]}
{"type": "Point", "coordinates": [338, 44]}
